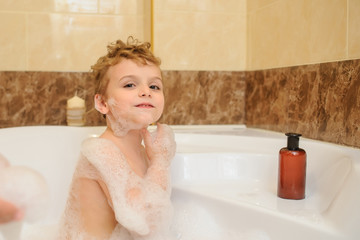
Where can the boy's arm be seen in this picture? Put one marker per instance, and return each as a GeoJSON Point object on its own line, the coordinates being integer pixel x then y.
{"type": "Point", "coordinates": [110, 166]}
{"type": "Point", "coordinates": [160, 148]}
{"type": "Point", "coordinates": [97, 215]}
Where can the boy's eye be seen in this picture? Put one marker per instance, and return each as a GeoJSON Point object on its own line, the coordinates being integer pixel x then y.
{"type": "Point", "coordinates": [129, 85]}
{"type": "Point", "coordinates": [154, 87]}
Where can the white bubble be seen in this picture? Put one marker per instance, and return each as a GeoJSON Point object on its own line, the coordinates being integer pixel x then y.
{"type": "Point", "coordinates": [143, 208]}
{"type": "Point", "coordinates": [121, 121]}
{"type": "Point", "coordinates": [26, 189]}
{"type": "Point", "coordinates": [3, 162]}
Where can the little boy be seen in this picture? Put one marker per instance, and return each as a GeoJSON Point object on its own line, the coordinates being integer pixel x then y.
{"type": "Point", "coordinates": [120, 188]}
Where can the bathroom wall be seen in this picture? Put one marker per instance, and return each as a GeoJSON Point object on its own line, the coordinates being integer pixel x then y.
{"type": "Point", "coordinates": [273, 64]}
{"type": "Point", "coordinates": [50, 45]}
{"type": "Point", "coordinates": [192, 97]}
{"type": "Point", "coordinates": [303, 68]}
{"type": "Point", "coordinates": [284, 33]}
{"type": "Point", "coordinates": [200, 35]}
{"type": "Point", "coordinates": [320, 101]}
{"type": "Point", "coordinates": [63, 35]}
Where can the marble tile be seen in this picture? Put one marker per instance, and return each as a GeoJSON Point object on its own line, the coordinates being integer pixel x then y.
{"type": "Point", "coordinates": [204, 97]}
{"type": "Point", "coordinates": [320, 101]}
{"type": "Point", "coordinates": [39, 98]}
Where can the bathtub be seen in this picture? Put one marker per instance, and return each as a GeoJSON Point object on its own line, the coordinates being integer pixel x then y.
{"type": "Point", "coordinates": [224, 180]}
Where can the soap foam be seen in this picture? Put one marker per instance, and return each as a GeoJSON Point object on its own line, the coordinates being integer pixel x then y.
{"type": "Point", "coordinates": [142, 207]}
{"type": "Point", "coordinates": [26, 189]}
{"type": "Point", "coordinates": [122, 121]}
{"type": "Point", "coordinates": [3, 162]}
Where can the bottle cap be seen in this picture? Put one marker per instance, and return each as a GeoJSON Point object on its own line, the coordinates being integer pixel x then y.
{"type": "Point", "coordinates": [293, 141]}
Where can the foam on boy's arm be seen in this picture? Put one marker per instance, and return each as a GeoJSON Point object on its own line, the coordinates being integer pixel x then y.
{"type": "Point", "coordinates": [160, 147]}
{"type": "Point", "coordinates": [111, 166]}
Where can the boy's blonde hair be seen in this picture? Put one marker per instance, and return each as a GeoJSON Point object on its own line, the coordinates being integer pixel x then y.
{"type": "Point", "coordinates": [133, 50]}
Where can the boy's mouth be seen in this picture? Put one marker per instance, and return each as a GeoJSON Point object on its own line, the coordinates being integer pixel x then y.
{"type": "Point", "coordinates": [145, 105]}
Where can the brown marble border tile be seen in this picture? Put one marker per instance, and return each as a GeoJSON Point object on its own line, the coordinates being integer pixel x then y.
{"type": "Point", "coordinates": [198, 97]}
{"type": "Point", "coordinates": [204, 97]}
{"type": "Point", "coordinates": [39, 98]}
{"type": "Point", "coordinates": [321, 101]}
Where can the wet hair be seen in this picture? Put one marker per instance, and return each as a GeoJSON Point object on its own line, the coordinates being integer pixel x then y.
{"type": "Point", "coordinates": [116, 52]}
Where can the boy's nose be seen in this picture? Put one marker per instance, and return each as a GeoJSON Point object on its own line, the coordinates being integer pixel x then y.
{"type": "Point", "coordinates": [144, 91]}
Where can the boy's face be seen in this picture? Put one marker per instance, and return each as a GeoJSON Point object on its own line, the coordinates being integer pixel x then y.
{"type": "Point", "coordinates": [134, 95]}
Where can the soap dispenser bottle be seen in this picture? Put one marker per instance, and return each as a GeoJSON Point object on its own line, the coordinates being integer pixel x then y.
{"type": "Point", "coordinates": [292, 169]}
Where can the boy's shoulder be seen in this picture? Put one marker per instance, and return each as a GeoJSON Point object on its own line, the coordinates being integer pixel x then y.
{"type": "Point", "coordinates": [96, 146]}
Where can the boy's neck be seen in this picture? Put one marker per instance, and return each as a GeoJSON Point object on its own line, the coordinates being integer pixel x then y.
{"type": "Point", "coordinates": [132, 138]}
{"type": "Point", "coordinates": [130, 145]}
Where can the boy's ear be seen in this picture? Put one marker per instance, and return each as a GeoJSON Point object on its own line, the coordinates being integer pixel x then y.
{"type": "Point", "coordinates": [100, 104]}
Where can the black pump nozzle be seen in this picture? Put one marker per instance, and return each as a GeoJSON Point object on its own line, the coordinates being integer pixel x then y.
{"type": "Point", "coordinates": [293, 141]}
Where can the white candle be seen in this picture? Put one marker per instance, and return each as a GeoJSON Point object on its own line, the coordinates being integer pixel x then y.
{"type": "Point", "coordinates": [76, 102]}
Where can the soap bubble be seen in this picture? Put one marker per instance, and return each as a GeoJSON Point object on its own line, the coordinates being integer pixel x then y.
{"type": "Point", "coordinates": [141, 206]}
{"type": "Point", "coordinates": [122, 120]}
{"type": "Point", "coordinates": [3, 162]}
{"type": "Point", "coordinates": [26, 189]}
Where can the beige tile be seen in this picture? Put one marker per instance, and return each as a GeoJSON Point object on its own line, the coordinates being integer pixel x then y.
{"type": "Point", "coordinates": [298, 32]}
{"type": "Point", "coordinates": [75, 6]}
{"type": "Point", "coordinates": [66, 6]}
{"type": "Point", "coordinates": [328, 21]}
{"type": "Point", "coordinates": [254, 5]}
{"type": "Point", "coordinates": [200, 35]}
{"type": "Point", "coordinates": [200, 41]}
{"type": "Point", "coordinates": [26, 5]}
{"type": "Point", "coordinates": [12, 42]}
{"type": "Point", "coordinates": [354, 29]}
{"type": "Point", "coordinates": [59, 42]}
{"type": "Point", "coordinates": [134, 7]}
{"type": "Point", "coordinates": [228, 6]}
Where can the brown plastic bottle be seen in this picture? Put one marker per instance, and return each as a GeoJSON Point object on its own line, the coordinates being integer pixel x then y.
{"type": "Point", "coordinates": [292, 169]}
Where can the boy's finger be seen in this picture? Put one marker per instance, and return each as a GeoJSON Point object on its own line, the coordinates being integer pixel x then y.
{"type": "Point", "coordinates": [146, 136]}
{"type": "Point", "coordinates": [160, 129]}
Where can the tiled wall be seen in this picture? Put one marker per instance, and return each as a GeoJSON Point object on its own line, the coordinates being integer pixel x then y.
{"type": "Point", "coordinates": [61, 35]}
{"type": "Point", "coordinates": [39, 98]}
{"type": "Point", "coordinates": [192, 97]}
{"type": "Point", "coordinates": [284, 33]}
{"type": "Point", "coordinates": [267, 63]}
{"type": "Point", "coordinates": [321, 101]}
{"type": "Point", "coordinates": [210, 35]}
{"type": "Point", "coordinates": [204, 97]}
{"type": "Point", "coordinates": [200, 35]}
{"type": "Point", "coordinates": [64, 35]}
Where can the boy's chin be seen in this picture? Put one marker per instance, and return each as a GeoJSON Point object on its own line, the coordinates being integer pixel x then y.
{"type": "Point", "coordinates": [147, 122]}
{"type": "Point", "coordinates": [142, 125]}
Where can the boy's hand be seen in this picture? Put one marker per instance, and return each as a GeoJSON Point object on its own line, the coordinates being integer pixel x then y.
{"type": "Point", "coordinates": [160, 145]}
